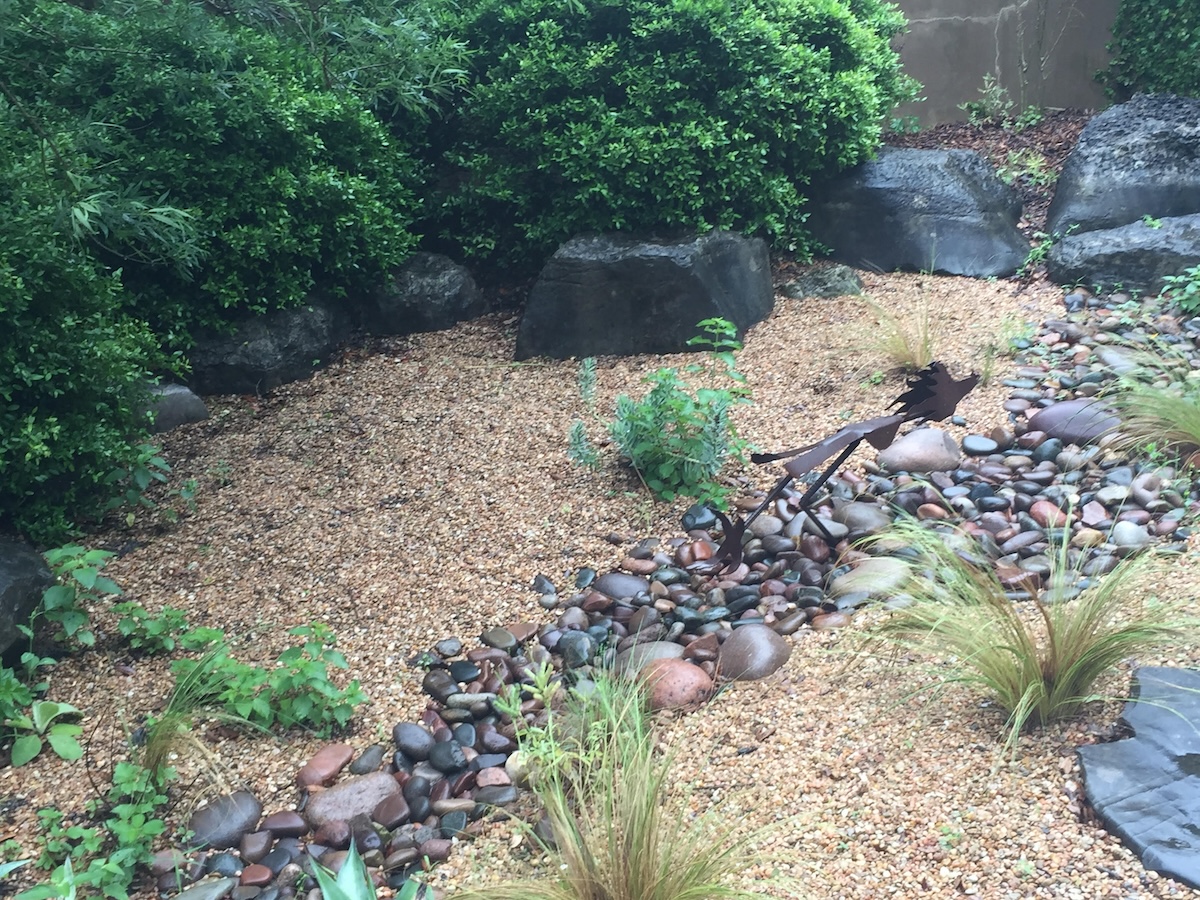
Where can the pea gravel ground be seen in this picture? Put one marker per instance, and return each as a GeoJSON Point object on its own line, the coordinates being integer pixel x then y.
{"type": "Point", "coordinates": [412, 490]}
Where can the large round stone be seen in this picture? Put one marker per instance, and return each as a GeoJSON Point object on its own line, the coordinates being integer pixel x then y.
{"type": "Point", "coordinates": [1080, 421]}
{"type": "Point", "coordinates": [879, 577]}
{"type": "Point", "coordinates": [752, 652]}
{"type": "Point", "coordinates": [675, 684]}
{"type": "Point", "coordinates": [632, 660]}
{"type": "Point", "coordinates": [619, 585]}
{"type": "Point", "coordinates": [222, 822]}
{"type": "Point", "coordinates": [923, 450]}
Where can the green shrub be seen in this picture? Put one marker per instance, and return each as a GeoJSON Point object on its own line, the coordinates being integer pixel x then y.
{"type": "Point", "coordinates": [296, 692]}
{"type": "Point", "coordinates": [645, 115]}
{"type": "Point", "coordinates": [291, 188]}
{"type": "Point", "coordinates": [1155, 47]}
{"type": "Point", "coordinates": [679, 437]}
{"type": "Point", "coordinates": [71, 363]}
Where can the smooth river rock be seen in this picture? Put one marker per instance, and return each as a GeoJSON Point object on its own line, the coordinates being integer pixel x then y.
{"type": "Point", "coordinates": [675, 684]}
{"type": "Point", "coordinates": [752, 652]}
{"type": "Point", "coordinates": [923, 450]}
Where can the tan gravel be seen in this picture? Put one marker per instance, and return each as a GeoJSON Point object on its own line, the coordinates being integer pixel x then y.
{"type": "Point", "coordinates": [413, 492]}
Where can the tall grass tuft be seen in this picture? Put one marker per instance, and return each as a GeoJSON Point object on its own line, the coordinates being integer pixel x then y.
{"type": "Point", "coordinates": [1039, 661]}
{"type": "Point", "coordinates": [1159, 407]}
{"type": "Point", "coordinates": [908, 342]}
{"type": "Point", "coordinates": [619, 831]}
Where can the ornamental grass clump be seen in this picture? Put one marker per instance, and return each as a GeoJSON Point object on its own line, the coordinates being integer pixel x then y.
{"type": "Point", "coordinates": [1159, 407]}
{"type": "Point", "coordinates": [1040, 660]}
{"type": "Point", "coordinates": [619, 831]}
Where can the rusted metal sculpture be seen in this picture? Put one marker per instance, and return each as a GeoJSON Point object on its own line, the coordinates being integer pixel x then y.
{"type": "Point", "coordinates": [931, 395]}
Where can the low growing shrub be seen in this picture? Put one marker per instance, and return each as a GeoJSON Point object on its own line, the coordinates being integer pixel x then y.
{"type": "Point", "coordinates": [679, 437]}
{"type": "Point", "coordinates": [643, 115]}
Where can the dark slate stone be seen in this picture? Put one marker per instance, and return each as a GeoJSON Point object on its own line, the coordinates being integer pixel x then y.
{"type": "Point", "coordinates": [1140, 158]}
{"type": "Point", "coordinates": [173, 405]}
{"type": "Point", "coordinates": [1133, 257]}
{"type": "Point", "coordinates": [221, 823]}
{"type": "Point", "coordinates": [823, 282]}
{"type": "Point", "coordinates": [429, 293]}
{"type": "Point", "coordinates": [414, 740]}
{"type": "Point", "coordinates": [921, 210]}
{"type": "Point", "coordinates": [24, 577]}
{"type": "Point", "coordinates": [268, 350]}
{"type": "Point", "coordinates": [1146, 789]}
{"type": "Point", "coordinates": [616, 295]}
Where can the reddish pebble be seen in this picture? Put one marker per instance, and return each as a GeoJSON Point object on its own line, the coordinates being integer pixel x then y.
{"type": "Point", "coordinates": [492, 777]}
{"type": "Point", "coordinates": [286, 823]}
{"type": "Point", "coordinates": [1047, 514]}
{"type": "Point", "coordinates": [931, 511]}
{"type": "Point", "coordinates": [324, 767]}
{"type": "Point", "coordinates": [830, 621]}
{"type": "Point", "coordinates": [256, 875]}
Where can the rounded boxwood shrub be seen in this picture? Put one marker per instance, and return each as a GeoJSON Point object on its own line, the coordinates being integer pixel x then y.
{"type": "Point", "coordinates": [654, 115]}
{"type": "Point", "coordinates": [1155, 47]}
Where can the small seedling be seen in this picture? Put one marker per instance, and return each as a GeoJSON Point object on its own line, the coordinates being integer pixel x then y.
{"type": "Point", "coordinates": [40, 728]}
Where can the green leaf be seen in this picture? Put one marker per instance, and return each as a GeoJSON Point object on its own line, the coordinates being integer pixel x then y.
{"type": "Point", "coordinates": [46, 711]}
{"type": "Point", "coordinates": [64, 744]}
{"type": "Point", "coordinates": [24, 749]}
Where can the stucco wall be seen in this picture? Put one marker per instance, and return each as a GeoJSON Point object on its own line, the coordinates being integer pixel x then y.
{"type": "Point", "coordinates": [1044, 52]}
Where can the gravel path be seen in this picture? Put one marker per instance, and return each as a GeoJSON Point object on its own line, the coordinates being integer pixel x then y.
{"type": "Point", "coordinates": [413, 491]}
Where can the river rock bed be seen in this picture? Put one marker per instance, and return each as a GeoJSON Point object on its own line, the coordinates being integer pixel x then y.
{"type": "Point", "coordinates": [1050, 474]}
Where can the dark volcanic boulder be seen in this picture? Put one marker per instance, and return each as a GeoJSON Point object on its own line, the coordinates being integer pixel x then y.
{"type": "Point", "coordinates": [1140, 158]}
{"type": "Point", "coordinates": [429, 293]}
{"type": "Point", "coordinates": [1133, 257]}
{"type": "Point", "coordinates": [24, 577]}
{"type": "Point", "coordinates": [612, 294]}
{"type": "Point", "coordinates": [1146, 789]}
{"type": "Point", "coordinates": [921, 210]}
{"type": "Point", "coordinates": [269, 350]}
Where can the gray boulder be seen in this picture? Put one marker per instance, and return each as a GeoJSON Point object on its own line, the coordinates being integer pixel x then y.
{"type": "Point", "coordinates": [24, 577]}
{"type": "Point", "coordinates": [431, 292]}
{"type": "Point", "coordinates": [173, 405]}
{"type": "Point", "coordinates": [922, 450]}
{"type": "Point", "coordinates": [824, 281]}
{"type": "Point", "coordinates": [1146, 790]}
{"type": "Point", "coordinates": [267, 351]}
{"type": "Point", "coordinates": [1140, 158]}
{"type": "Point", "coordinates": [922, 210]}
{"type": "Point", "coordinates": [1133, 257]}
{"type": "Point", "coordinates": [612, 294]}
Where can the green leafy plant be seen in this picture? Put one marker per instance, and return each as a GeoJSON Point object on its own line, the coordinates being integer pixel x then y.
{"type": "Point", "coordinates": [1028, 167]}
{"type": "Point", "coordinates": [77, 571]}
{"type": "Point", "coordinates": [1183, 290]}
{"type": "Point", "coordinates": [105, 853]}
{"type": "Point", "coordinates": [1150, 222]}
{"type": "Point", "coordinates": [1038, 663]}
{"type": "Point", "coordinates": [571, 125]}
{"type": "Point", "coordinates": [678, 438]}
{"type": "Point", "coordinates": [994, 106]}
{"type": "Point", "coordinates": [580, 449]}
{"type": "Point", "coordinates": [42, 726]}
{"type": "Point", "coordinates": [619, 830]}
{"type": "Point", "coordinates": [904, 124]}
{"type": "Point", "coordinates": [161, 633]}
{"type": "Point", "coordinates": [1155, 48]}
{"type": "Point", "coordinates": [295, 692]}
{"type": "Point", "coordinates": [1028, 118]}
